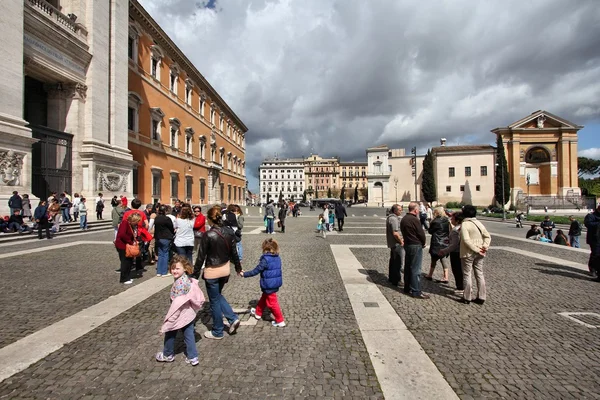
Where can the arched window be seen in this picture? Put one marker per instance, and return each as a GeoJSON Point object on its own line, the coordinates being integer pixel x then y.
{"type": "Point", "coordinates": [537, 155]}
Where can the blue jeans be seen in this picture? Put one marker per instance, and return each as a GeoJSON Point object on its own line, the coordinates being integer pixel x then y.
{"type": "Point", "coordinates": [189, 338]}
{"type": "Point", "coordinates": [548, 234]}
{"type": "Point", "coordinates": [187, 252]}
{"type": "Point", "coordinates": [66, 215]}
{"type": "Point", "coordinates": [83, 221]}
{"type": "Point", "coordinates": [270, 225]}
{"type": "Point", "coordinates": [240, 250]}
{"type": "Point", "coordinates": [219, 306]}
{"type": "Point", "coordinates": [413, 257]}
{"type": "Point", "coordinates": [574, 240]}
{"type": "Point", "coordinates": [163, 246]}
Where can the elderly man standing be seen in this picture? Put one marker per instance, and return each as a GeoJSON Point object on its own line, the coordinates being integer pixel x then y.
{"type": "Point", "coordinates": [394, 243]}
{"type": "Point", "coordinates": [414, 242]}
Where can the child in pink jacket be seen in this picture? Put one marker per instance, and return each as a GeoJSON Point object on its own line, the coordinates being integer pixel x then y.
{"type": "Point", "coordinates": [186, 301]}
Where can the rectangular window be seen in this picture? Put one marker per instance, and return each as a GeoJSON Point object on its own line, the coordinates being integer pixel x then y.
{"type": "Point", "coordinates": [188, 187]}
{"type": "Point", "coordinates": [388, 166]}
{"type": "Point", "coordinates": [154, 68]}
{"type": "Point", "coordinates": [483, 170]}
{"type": "Point", "coordinates": [174, 138]}
{"type": "Point", "coordinates": [188, 144]}
{"type": "Point", "coordinates": [234, 194]}
{"type": "Point", "coordinates": [155, 125]}
{"type": "Point", "coordinates": [478, 188]}
{"type": "Point", "coordinates": [448, 188]}
{"type": "Point", "coordinates": [451, 172]}
{"type": "Point", "coordinates": [467, 171]}
{"type": "Point", "coordinates": [173, 83]}
{"type": "Point", "coordinates": [130, 45]}
{"type": "Point", "coordinates": [202, 190]}
{"type": "Point", "coordinates": [174, 186]}
{"type": "Point", "coordinates": [156, 184]}
{"type": "Point", "coordinates": [131, 118]}
{"type": "Point", "coordinates": [462, 188]}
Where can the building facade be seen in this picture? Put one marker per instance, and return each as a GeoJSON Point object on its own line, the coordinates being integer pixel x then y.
{"type": "Point", "coordinates": [187, 142]}
{"type": "Point", "coordinates": [464, 174]}
{"type": "Point", "coordinates": [543, 147]}
{"type": "Point", "coordinates": [321, 174]}
{"type": "Point", "coordinates": [353, 174]}
{"type": "Point", "coordinates": [64, 94]}
{"type": "Point", "coordinates": [281, 176]}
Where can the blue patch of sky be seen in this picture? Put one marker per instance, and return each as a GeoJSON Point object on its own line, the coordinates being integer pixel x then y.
{"type": "Point", "coordinates": [210, 4]}
{"type": "Point", "coordinates": [589, 136]}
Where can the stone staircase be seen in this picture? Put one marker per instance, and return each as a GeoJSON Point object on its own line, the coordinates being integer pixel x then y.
{"type": "Point", "coordinates": [70, 229]}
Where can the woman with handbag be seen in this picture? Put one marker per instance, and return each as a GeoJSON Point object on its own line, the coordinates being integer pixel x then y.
{"type": "Point", "coordinates": [127, 246]}
{"type": "Point", "coordinates": [217, 248]}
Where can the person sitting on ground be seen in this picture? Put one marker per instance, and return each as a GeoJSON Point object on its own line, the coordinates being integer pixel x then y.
{"type": "Point", "coordinates": [534, 233]}
{"type": "Point", "coordinates": [561, 238]}
{"type": "Point", "coordinates": [16, 223]}
{"type": "Point", "coordinates": [269, 268]}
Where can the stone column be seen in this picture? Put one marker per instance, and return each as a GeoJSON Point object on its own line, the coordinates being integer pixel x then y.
{"type": "Point", "coordinates": [15, 137]}
{"type": "Point", "coordinates": [75, 95]}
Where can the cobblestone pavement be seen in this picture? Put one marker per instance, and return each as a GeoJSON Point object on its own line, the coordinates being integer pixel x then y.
{"type": "Point", "coordinates": [515, 346]}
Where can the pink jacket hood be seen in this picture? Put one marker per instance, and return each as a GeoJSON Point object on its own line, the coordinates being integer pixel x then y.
{"type": "Point", "coordinates": [183, 309]}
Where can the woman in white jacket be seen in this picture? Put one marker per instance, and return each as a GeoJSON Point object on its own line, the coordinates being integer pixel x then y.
{"type": "Point", "coordinates": [184, 233]}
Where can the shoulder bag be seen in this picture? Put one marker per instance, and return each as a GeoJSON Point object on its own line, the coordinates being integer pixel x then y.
{"type": "Point", "coordinates": [132, 250]}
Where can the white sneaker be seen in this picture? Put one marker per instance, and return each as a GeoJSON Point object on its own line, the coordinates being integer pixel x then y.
{"type": "Point", "coordinates": [278, 325]}
{"type": "Point", "coordinates": [167, 274]}
{"type": "Point", "coordinates": [129, 282]}
{"type": "Point", "coordinates": [253, 313]}
{"type": "Point", "coordinates": [159, 275]}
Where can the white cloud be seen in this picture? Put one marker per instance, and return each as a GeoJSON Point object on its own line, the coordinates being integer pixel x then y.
{"type": "Point", "coordinates": [337, 76]}
{"type": "Point", "coordinates": [594, 153]}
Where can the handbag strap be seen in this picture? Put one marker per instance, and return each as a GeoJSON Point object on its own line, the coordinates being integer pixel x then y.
{"type": "Point", "coordinates": [223, 237]}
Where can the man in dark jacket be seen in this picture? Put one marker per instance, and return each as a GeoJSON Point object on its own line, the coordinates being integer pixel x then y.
{"type": "Point", "coordinates": [414, 242]}
{"type": "Point", "coordinates": [574, 232]}
{"type": "Point", "coordinates": [340, 213]}
{"type": "Point", "coordinates": [40, 216]}
{"type": "Point", "coordinates": [592, 223]}
{"type": "Point", "coordinates": [282, 214]}
{"type": "Point", "coordinates": [15, 202]}
{"type": "Point", "coordinates": [16, 223]}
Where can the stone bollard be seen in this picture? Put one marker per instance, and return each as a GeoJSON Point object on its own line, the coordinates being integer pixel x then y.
{"type": "Point", "coordinates": [246, 210]}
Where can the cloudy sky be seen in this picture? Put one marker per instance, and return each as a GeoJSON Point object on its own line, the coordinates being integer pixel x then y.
{"type": "Point", "coordinates": [333, 77]}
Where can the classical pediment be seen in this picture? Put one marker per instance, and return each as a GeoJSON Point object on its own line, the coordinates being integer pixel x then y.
{"type": "Point", "coordinates": [543, 120]}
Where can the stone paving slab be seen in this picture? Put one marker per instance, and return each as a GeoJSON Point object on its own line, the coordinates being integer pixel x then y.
{"type": "Point", "coordinates": [516, 345]}
{"type": "Point", "coordinates": [320, 354]}
{"type": "Point", "coordinates": [39, 289]}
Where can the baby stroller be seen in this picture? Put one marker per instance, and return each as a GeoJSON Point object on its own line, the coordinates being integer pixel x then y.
{"type": "Point", "coordinates": [519, 219]}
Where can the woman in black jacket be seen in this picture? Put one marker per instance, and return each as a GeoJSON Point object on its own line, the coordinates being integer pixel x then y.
{"type": "Point", "coordinates": [163, 237]}
{"type": "Point", "coordinates": [439, 229]}
{"type": "Point", "coordinates": [216, 249]}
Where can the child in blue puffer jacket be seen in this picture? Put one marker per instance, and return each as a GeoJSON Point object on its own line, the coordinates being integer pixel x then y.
{"type": "Point", "coordinates": [269, 267]}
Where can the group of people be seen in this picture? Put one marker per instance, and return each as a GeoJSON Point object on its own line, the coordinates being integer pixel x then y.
{"type": "Point", "coordinates": [460, 243]}
{"type": "Point", "coordinates": [327, 218]}
{"type": "Point", "coordinates": [544, 233]}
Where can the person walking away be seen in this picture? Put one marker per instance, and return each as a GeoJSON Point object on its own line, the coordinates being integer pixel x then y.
{"type": "Point", "coordinates": [117, 216]}
{"type": "Point", "coordinates": [184, 233]}
{"type": "Point", "coordinates": [26, 204]}
{"type": "Point", "coordinates": [15, 202]}
{"type": "Point", "coordinates": [164, 232]}
{"type": "Point", "coordinates": [592, 223]}
{"type": "Point", "coordinates": [127, 235]}
{"type": "Point", "coordinates": [574, 232]}
{"type": "Point", "coordinates": [474, 244]}
{"type": "Point", "coordinates": [271, 279]}
{"type": "Point", "coordinates": [394, 243]}
{"type": "Point", "coordinates": [340, 214]}
{"type": "Point", "coordinates": [270, 216]}
{"type": "Point", "coordinates": [99, 206]}
{"type": "Point", "coordinates": [282, 215]}
{"type": "Point", "coordinates": [429, 212]}
{"type": "Point", "coordinates": [186, 300]}
{"type": "Point", "coordinates": [326, 217]}
{"type": "Point", "coordinates": [40, 215]}
{"type": "Point", "coordinates": [321, 227]}
{"type": "Point", "coordinates": [238, 233]}
{"type": "Point", "coordinates": [199, 229]}
{"type": "Point", "coordinates": [331, 220]}
{"type": "Point", "coordinates": [83, 215]}
{"type": "Point", "coordinates": [215, 252]}
{"type": "Point", "coordinates": [453, 250]}
{"type": "Point", "coordinates": [547, 225]}
{"type": "Point", "coordinates": [414, 242]}
{"type": "Point", "coordinates": [423, 215]}
{"type": "Point", "coordinates": [76, 201]}
{"type": "Point", "coordinates": [561, 239]}
{"type": "Point", "coordinates": [439, 229]}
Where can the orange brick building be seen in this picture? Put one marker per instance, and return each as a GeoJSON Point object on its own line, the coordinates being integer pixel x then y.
{"type": "Point", "coordinates": [188, 143]}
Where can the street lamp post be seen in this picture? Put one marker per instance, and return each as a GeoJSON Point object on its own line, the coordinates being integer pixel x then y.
{"type": "Point", "coordinates": [414, 153]}
{"type": "Point", "coordinates": [527, 202]}
{"type": "Point", "coordinates": [396, 187]}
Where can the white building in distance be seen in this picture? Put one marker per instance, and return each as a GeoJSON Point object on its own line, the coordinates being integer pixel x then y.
{"type": "Point", "coordinates": [276, 176]}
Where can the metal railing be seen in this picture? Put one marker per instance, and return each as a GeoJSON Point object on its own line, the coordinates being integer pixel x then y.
{"type": "Point", "coordinates": [556, 202]}
{"type": "Point", "coordinates": [55, 14]}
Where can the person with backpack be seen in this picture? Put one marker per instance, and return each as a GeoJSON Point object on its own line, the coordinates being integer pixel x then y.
{"type": "Point", "coordinates": [574, 232]}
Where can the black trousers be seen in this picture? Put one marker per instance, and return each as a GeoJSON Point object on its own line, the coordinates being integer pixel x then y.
{"type": "Point", "coordinates": [456, 266]}
{"type": "Point", "coordinates": [127, 264]}
{"type": "Point", "coordinates": [340, 224]}
{"type": "Point", "coordinates": [43, 224]}
{"type": "Point", "coordinates": [395, 265]}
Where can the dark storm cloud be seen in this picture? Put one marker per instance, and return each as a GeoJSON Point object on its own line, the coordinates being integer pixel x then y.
{"type": "Point", "coordinates": [335, 77]}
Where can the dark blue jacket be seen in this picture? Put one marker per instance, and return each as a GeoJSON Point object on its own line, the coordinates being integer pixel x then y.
{"type": "Point", "coordinates": [269, 267]}
{"type": "Point", "coordinates": [41, 212]}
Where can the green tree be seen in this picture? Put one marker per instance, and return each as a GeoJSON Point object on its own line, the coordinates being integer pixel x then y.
{"type": "Point", "coordinates": [329, 193]}
{"type": "Point", "coordinates": [587, 166]}
{"type": "Point", "coordinates": [343, 193]}
{"type": "Point", "coordinates": [428, 183]}
{"type": "Point", "coordinates": [304, 196]}
{"type": "Point", "coordinates": [501, 175]}
{"type": "Point", "coordinates": [356, 194]}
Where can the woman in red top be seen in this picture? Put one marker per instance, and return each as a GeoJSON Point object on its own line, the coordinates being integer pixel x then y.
{"type": "Point", "coordinates": [199, 229]}
{"type": "Point", "coordinates": [127, 234]}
